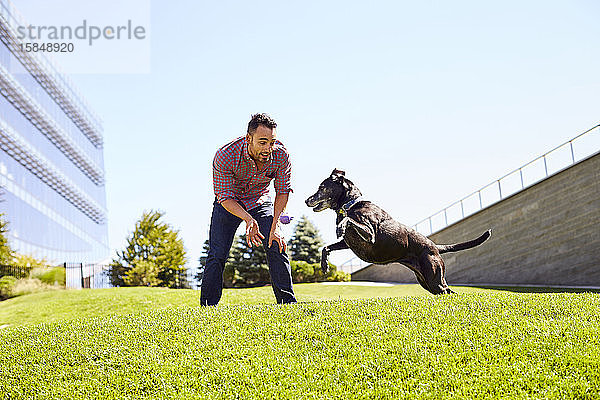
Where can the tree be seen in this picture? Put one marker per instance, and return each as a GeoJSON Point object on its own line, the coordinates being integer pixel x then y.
{"type": "Point", "coordinates": [25, 264]}
{"type": "Point", "coordinates": [143, 273]}
{"type": "Point", "coordinates": [202, 261]}
{"type": "Point", "coordinates": [306, 243]}
{"type": "Point", "coordinates": [6, 254]}
{"type": "Point", "coordinates": [154, 256]}
{"type": "Point", "coordinates": [305, 250]}
{"type": "Point", "coordinates": [246, 265]}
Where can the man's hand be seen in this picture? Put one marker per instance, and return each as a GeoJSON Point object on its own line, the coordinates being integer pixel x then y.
{"type": "Point", "coordinates": [253, 235]}
{"type": "Point", "coordinates": [275, 236]}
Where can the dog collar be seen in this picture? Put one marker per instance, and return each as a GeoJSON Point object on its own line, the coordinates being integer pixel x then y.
{"type": "Point", "coordinates": [347, 206]}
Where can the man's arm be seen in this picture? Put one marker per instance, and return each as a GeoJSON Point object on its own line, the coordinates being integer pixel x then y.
{"type": "Point", "coordinates": [281, 200]}
{"type": "Point", "coordinates": [283, 188]}
{"type": "Point", "coordinates": [223, 182]}
{"type": "Point", "coordinates": [253, 235]}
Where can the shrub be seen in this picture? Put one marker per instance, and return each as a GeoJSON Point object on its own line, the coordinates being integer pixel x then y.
{"type": "Point", "coordinates": [7, 284]}
{"type": "Point", "coordinates": [303, 272]}
{"type": "Point", "coordinates": [143, 273]}
{"type": "Point", "coordinates": [333, 275]}
{"type": "Point", "coordinates": [50, 276]}
{"type": "Point", "coordinates": [339, 276]}
{"type": "Point", "coordinates": [31, 285]}
{"type": "Point", "coordinates": [21, 266]}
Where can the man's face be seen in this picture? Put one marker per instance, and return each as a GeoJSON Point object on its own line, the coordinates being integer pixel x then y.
{"type": "Point", "coordinates": [260, 143]}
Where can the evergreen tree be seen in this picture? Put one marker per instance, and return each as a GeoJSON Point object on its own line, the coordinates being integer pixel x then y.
{"type": "Point", "coordinates": [154, 256]}
{"type": "Point", "coordinates": [246, 265]}
{"type": "Point", "coordinates": [306, 243]}
{"type": "Point", "coordinates": [202, 261]}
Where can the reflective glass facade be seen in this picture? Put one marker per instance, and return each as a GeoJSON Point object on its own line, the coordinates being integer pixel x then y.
{"type": "Point", "coordinates": [51, 158]}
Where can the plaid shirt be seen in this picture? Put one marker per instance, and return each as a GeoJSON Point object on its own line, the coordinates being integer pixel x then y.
{"type": "Point", "coordinates": [235, 175]}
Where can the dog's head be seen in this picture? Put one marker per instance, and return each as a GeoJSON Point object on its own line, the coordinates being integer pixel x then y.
{"type": "Point", "coordinates": [332, 192]}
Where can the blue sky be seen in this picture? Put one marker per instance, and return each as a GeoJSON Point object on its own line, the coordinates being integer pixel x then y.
{"type": "Point", "coordinates": [420, 102]}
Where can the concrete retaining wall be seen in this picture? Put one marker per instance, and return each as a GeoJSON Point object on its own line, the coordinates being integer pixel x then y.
{"type": "Point", "coordinates": [548, 234]}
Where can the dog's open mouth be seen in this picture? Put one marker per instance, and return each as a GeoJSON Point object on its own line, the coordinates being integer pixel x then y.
{"type": "Point", "coordinates": [319, 206]}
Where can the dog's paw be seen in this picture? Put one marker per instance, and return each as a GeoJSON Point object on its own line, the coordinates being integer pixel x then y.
{"type": "Point", "coordinates": [324, 266]}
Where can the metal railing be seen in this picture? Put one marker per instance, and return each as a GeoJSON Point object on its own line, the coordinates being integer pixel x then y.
{"type": "Point", "coordinates": [352, 264]}
{"type": "Point", "coordinates": [77, 275]}
{"type": "Point", "coordinates": [16, 271]}
{"type": "Point", "coordinates": [561, 157]}
{"type": "Point", "coordinates": [86, 276]}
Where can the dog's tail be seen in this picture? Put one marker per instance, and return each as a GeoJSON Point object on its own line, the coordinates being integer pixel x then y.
{"type": "Point", "coordinates": [445, 248]}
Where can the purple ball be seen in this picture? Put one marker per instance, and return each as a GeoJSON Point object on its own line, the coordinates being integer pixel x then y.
{"type": "Point", "coordinates": [285, 219]}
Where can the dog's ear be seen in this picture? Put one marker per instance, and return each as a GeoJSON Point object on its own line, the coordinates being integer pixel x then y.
{"type": "Point", "coordinates": [337, 174]}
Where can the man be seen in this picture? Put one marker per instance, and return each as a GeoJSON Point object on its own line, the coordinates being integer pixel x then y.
{"type": "Point", "coordinates": [242, 171]}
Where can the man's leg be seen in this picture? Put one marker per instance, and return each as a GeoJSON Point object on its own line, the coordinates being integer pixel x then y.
{"type": "Point", "coordinates": [279, 263]}
{"type": "Point", "coordinates": [223, 225]}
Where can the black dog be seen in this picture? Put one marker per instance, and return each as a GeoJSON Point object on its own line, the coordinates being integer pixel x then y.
{"type": "Point", "coordinates": [375, 237]}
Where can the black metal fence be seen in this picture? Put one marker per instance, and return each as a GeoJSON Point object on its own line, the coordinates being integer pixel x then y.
{"type": "Point", "coordinates": [81, 275]}
{"type": "Point", "coordinates": [78, 275]}
{"type": "Point", "coordinates": [86, 276]}
{"type": "Point", "coordinates": [12, 270]}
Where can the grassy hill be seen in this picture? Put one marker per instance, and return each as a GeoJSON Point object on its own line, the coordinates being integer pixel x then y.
{"type": "Point", "coordinates": [481, 344]}
{"type": "Point", "coordinates": [70, 304]}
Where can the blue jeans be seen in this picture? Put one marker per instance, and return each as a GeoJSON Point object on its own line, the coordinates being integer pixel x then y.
{"type": "Point", "coordinates": [223, 225]}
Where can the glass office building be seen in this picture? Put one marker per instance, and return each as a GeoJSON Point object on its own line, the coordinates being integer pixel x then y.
{"type": "Point", "coordinates": [51, 157]}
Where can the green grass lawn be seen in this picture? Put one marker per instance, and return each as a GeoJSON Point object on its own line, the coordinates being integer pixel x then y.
{"type": "Point", "coordinates": [157, 343]}
{"type": "Point", "coordinates": [70, 304]}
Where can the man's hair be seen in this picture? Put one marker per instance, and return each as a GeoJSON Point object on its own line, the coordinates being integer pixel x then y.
{"type": "Point", "coordinates": [261, 119]}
